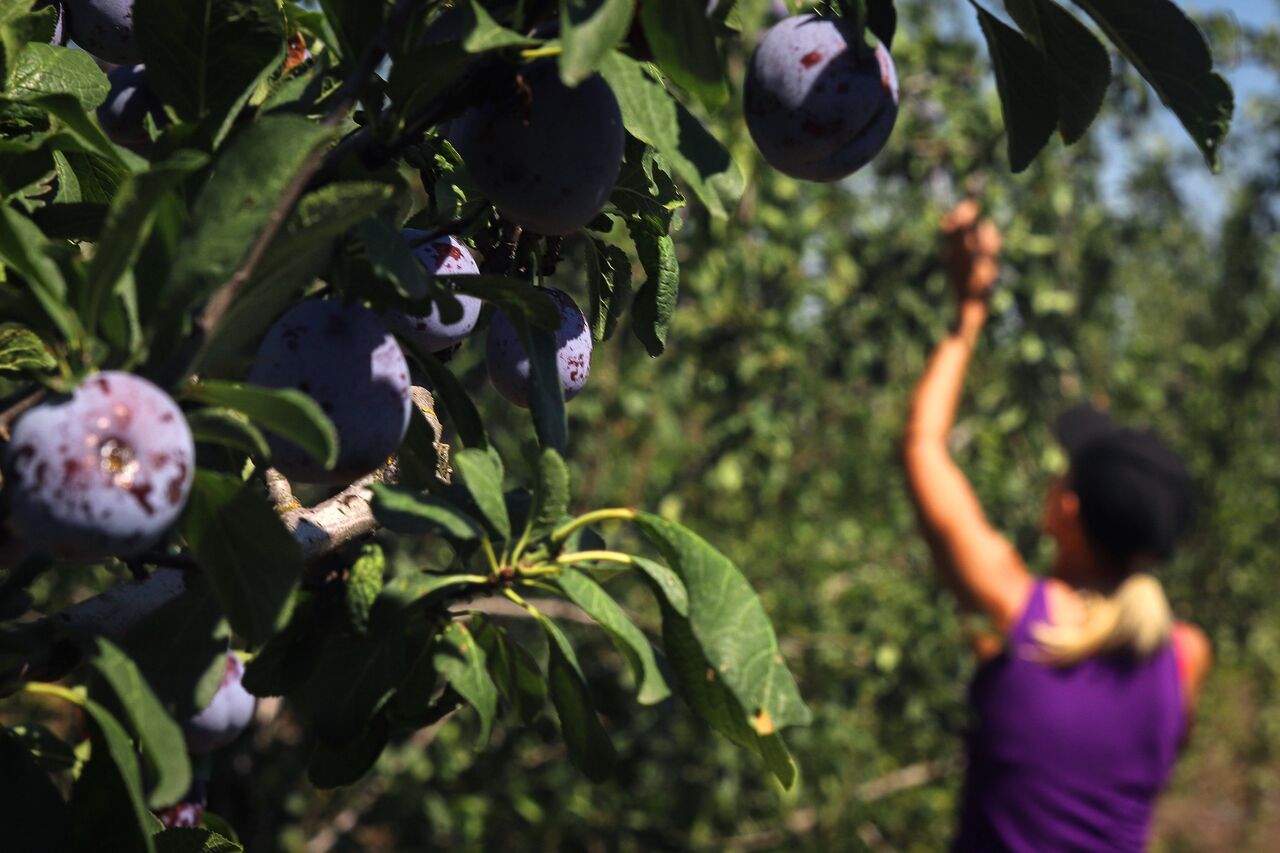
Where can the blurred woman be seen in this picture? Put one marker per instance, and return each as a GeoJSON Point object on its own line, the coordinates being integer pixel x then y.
{"type": "Point", "coordinates": [1081, 709]}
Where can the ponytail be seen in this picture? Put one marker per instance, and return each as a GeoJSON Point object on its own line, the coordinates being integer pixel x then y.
{"type": "Point", "coordinates": [1134, 618]}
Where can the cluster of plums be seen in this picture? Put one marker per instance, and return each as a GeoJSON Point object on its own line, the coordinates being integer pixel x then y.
{"type": "Point", "coordinates": [105, 470]}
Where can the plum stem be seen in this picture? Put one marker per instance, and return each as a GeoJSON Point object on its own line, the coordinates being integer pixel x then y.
{"type": "Point", "coordinates": [613, 513]}
{"type": "Point", "coordinates": [596, 556]}
{"type": "Point", "coordinates": [541, 52]}
{"type": "Point", "coordinates": [494, 565]}
{"type": "Point", "coordinates": [54, 690]}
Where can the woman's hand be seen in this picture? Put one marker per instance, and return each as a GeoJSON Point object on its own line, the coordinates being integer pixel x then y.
{"type": "Point", "coordinates": [972, 253]}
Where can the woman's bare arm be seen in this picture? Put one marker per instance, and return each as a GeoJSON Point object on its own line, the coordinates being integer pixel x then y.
{"type": "Point", "coordinates": [973, 558]}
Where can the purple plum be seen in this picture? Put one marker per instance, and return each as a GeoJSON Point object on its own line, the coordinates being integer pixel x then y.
{"type": "Point", "coordinates": [123, 113]}
{"type": "Point", "coordinates": [343, 358]}
{"type": "Point", "coordinates": [446, 255]}
{"type": "Point", "coordinates": [105, 29]}
{"type": "Point", "coordinates": [545, 154]}
{"type": "Point", "coordinates": [819, 105]}
{"type": "Point", "coordinates": [59, 21]}
{"type": "Point", "coordinates": [100, 473]}
{"type": "Point", "coordinates": [508, 363]}
{"type": "Point", "coordinates": [227, 715]}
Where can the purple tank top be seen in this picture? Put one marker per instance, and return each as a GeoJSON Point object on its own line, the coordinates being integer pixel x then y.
{"type": "Point", "coordinates": [1067, 758]}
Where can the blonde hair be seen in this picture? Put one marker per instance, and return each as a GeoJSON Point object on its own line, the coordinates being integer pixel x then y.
{"type": "Point", "coordinates": [1134, 618]}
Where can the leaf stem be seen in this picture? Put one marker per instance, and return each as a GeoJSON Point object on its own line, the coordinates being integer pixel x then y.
{"type": "Point", "coordinates": [540, 571]}
{"type": "Point", "coordinates": [590, 556]}
{"type": "Point", "coordinates": [540, 52]}
{"type": "Point", "coordinates": [494, 565]}
{"type": "Point", "coordinates": [614, 513]}
{"type": "Point", "coordinates": [54, 690]}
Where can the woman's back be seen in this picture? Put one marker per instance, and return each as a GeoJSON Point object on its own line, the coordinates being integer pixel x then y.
{"type": "Point", "coordinates": [1068, 758]}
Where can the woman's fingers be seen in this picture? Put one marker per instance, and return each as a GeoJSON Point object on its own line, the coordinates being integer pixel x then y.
{"type": "Point", "coordinates": [961, 217]}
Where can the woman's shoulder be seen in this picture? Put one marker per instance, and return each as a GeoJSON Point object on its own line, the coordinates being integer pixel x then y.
{"type": "Point", "coordinates": [1194, 655]}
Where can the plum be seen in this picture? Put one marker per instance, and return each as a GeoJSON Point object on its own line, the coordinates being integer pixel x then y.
{"type": "Point", "coordinates": [105, 29]}
{"type": "Point", "coordinates": [190, 811]}
{"type": "Point", "coordinates": [819, 104]}
{"type": "Point", "coordinates": [227, 715]}
{"type": "Point", "coordinates": [446, 255]}
{"type": "Point", "coordinates": [508, 363]}
{"type": "Point", "coordinates": [100, 473]}
{"type": "Point", "coordinates": [545, 154]}
{"type": "Point", "coordinates": [129, 101]}
{"type": "Point", "coordinates": [342, 357]}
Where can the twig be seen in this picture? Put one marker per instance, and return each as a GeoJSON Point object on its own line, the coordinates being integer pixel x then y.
{"type": "Point", "coordinates": [11, 414]}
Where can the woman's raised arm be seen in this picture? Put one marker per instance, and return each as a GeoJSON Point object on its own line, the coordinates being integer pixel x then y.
{"type": "Point", "coordinates": [978, 563]}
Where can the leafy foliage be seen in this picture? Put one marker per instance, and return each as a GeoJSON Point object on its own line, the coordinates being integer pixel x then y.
{"type": "Point", "coordinates": [279, 164]}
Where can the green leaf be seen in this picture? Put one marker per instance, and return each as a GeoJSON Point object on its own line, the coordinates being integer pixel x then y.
{"type": "Point", "coordinates": [282, 666]}
{"type": "Point", "coordinates": [1028, 95]}
{"type": "Point", "coordinates": [711, 698]}
{"type": "Point", "coordinates": [481, 472]}
{"type": "Point", "coordinates": [679, 34]}
{"type": "Point", "coordinates": [335, 766]}
{"type": "Point", "coordinates": [462, 662]}
{"type": "Point", "coordinates": [731, 627]}
{"type": "Point", "coordinates": [390, 258]}
{"type": "Point", "coordinates": [42, 69]}
{"type": "Point", "coordinates": [249, 557]}
{"type": "Point", "coordinates": [1171, 53]}
{"type": "Point", "coordinates": [512, 295]}
{"type": "Point", "coordinates": [666, 583]}
{"type": "Point", "coordinates": [356, 675]}
{"type": "Point", "coordinates": [133, 209]}
{"type": "Point", "coordinates": [546, 394]}
{"type": "Point", "coordinates": [484, 33]}
{"type": "Point", "coordinates": [204, 58]}
{"type": "Point", "coordinates": [287, 412]}
{"type": "Point", "coordinates": [181, 649]}
{"type": "Point", "coordinates": [21, 349]}
{"type": "Point", "coordinates": [405, 511]}
{"type": "Point", "coordinates": [512, 668]}
{"type": "Point", "coordinates": [34, 818]}
{"type": "Point", "coordinates": [589, 30]}
{"type": "Point", "coordinates": [24, 249]}
{"type": "Point", "coordinates": [629, 640]}
{"type": "Point", "coordinates": [249, 177]}
{"type": "Point", "coordinates": [108, 811]}
{"type": "Point", "coordinates": [1077, 60]}
{"type": "Point", "coordinates": [229, 429]}
{"type": "Point", "coordinates": [653, 116]}
{"type": "Point", "coordinates": [194, 840]}
{"type": "Point", "coordinates": [550, 494]}
{"type": "Point", "coordinates": [364, 582]}
{"type": "Point", "coordinates": [655, 302]}
{"type": "Point", "coordinates": [590, 749]}
{"type": "Point", "coordinates": [608, 286]}
{"type": "Point", "coordinates": [163, 746]}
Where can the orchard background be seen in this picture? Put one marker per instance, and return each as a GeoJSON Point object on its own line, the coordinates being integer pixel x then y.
{"type": "Point", "coordinates": [769, 423]}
